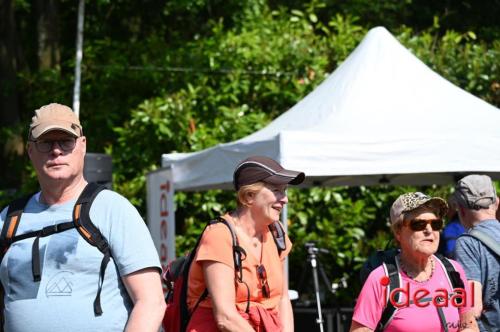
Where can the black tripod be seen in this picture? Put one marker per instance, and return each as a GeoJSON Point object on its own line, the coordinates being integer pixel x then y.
{"type": "Point", "coordinates": [313, 259]}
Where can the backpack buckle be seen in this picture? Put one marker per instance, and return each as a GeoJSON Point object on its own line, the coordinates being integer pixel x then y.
{"type": "Point", "coordinates": [103, 246]}
{"type": "Point", "coordinates": [48, 230]}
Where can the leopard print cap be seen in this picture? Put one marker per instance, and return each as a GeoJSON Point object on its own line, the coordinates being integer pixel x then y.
{"type": "Point", "coordinates": [411, 201]}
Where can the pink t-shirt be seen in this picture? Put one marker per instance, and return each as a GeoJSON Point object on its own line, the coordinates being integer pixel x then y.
{"type": "Point", "coordinates": [372, 300]}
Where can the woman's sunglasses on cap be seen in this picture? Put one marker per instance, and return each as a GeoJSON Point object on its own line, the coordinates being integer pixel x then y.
{"type": "Point", "coordinates": [261, 272]}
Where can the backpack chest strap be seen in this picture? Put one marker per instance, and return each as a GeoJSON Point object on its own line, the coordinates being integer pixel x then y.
{"type": "Point", "coordinates": [35, 250]}
{"type": "Point", "coordinates": [81, 221]}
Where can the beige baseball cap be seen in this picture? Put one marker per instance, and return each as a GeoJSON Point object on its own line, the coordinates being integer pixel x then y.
{"type": "Point", "coordinates": [54, 117]}
{"type": "Point", "coordinates": [411, 201]}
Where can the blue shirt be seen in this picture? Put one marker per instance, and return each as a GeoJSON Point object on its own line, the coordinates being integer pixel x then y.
{"type": "Point", "coordinates": [63, 299]}
{"type": "Point", "coordinates": [449, 236]}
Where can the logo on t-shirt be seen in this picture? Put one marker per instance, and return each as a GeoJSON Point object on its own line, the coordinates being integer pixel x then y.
{"type": "Point", "coordinates": [422, 297]}
{"type": "Point", "coordinates": [60, 284]}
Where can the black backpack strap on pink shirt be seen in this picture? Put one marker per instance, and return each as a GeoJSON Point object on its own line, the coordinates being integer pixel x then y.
{"type": "Point", "coordinates": [391, 271]}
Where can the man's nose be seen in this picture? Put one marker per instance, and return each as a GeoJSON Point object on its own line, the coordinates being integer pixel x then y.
{"type": "Point", "coordinates": [56, 147]}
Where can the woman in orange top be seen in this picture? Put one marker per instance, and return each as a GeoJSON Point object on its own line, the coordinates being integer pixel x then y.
{"type": "Point", "coordinates": [259, 302]}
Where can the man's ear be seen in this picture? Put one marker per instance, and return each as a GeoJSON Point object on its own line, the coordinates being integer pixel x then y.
{"type": "Point", "coordinates": [29, 149]}
{"type": "Point", "coordinates": [84, 143]}
{"type": "Point", "coordinates": [460, 210]}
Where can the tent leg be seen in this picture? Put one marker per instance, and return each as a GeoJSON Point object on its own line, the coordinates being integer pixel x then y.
{"type": "Point", "coordinates": [284, 220]}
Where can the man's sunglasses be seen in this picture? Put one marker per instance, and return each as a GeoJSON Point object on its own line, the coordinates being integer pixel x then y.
{"type": "Point", "coordinates": [421, 224]}
{"type": "Point", "coordinates": [261, 272]}
{"type": "Point", "coordinates": [66, 144]}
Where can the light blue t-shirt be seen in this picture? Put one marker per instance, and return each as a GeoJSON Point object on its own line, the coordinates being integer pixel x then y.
{"type": "Point", "coordinates": [63, 299]}
{"type": "Point", "coordinates": [482, 265]}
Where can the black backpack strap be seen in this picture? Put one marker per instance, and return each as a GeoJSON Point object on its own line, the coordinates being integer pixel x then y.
{"type": "Point", "coordinates": [91, 234]}
{"type": "Point", "coordinates": [35, 250]}
{"type": "Point", "coordinates": [82, 221]}
{"type": "Point", "coordinates": [392, 272]}
{"type": "Point", "coordinates": [184, 310]}
{"type": "Point", "coordinates": [279, 236]}
{"type": "Point", "coordinates": [454, 279]}
{"type": "Point", "coordinates": [9, 229]}
{"type": "Point", "coordinates": [13, 217]}
{"type": "Point", "coordinates": [239, 254]}
{"type": "Point", "coordinates": [8, 235]}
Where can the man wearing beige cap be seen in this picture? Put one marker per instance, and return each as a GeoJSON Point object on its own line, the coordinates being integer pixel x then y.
{"type": "Point", "coordinates": [477, 203]}
{"type": "Point", "coordinates": [57, 280]}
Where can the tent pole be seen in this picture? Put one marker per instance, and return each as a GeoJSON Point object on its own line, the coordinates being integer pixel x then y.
{"type": "Point", "coordinates": [79, 56]}
{"type": "Point", "coordinates": [284, 221]}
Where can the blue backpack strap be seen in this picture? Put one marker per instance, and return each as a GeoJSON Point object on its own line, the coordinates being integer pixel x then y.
{"type": "Point", "coordinates": [392, 272]}
{"type": "Point", "coordinates": [485, 239]}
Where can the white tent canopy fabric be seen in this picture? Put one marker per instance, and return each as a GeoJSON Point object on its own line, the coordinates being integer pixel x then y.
{"type": "Point", "coordinates": [382, 117]}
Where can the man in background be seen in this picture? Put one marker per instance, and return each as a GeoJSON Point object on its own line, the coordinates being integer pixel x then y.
{"type": "Point", "coordinates": [477, 204]}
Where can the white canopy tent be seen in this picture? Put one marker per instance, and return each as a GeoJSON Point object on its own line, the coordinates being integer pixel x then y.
{"type": "Point", "coordinates": [382, 117]}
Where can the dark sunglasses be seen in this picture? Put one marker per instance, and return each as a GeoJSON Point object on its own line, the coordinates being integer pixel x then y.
{"type": "Point", "coordinates": [261, 272]}
{"type": "Point", "coordinates": [421, 224]}
{"type": "Point", "coordinates": [66, 144]}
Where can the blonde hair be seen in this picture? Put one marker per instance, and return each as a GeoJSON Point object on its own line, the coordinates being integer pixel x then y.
{"type": "Point", "coordinates": [244, 191]}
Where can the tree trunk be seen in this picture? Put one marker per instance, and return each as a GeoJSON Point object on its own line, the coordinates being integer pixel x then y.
{"type": "Point", "coordinates": [49, 55]}
{"type": "Point", "coordinates": [9, 105]}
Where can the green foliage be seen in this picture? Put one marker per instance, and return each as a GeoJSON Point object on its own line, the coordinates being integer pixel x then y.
{"type": "Point", "coordinates": [461, 59]}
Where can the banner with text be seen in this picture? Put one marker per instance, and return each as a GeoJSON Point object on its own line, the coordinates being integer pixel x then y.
{"type": "Point", "coordinates": [161, 214]}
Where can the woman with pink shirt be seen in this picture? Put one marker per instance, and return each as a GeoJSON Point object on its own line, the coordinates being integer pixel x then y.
{"type": "Point", "coordinates": [427, 301]}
